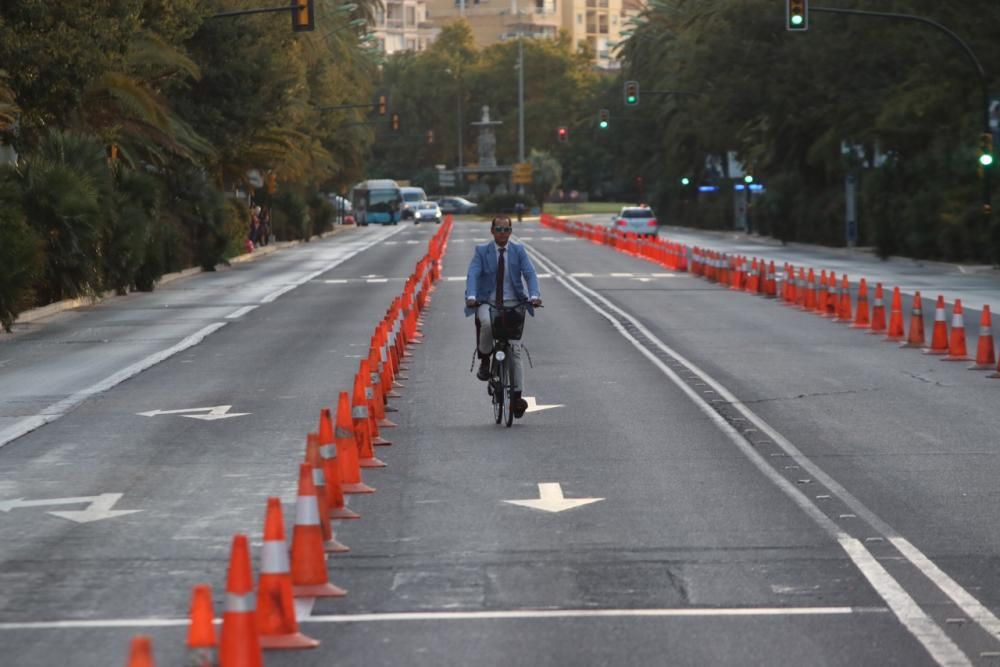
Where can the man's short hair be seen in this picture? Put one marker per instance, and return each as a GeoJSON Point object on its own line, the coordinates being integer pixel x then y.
{"type": "Point", "coordinates": [499, 220]}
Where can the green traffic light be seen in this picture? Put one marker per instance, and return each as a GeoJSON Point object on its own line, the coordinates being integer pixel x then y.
{"type": "Point", "coordinates": [986, 159]}
{"type": "Point", "coordinates": [604, 124]}
{"type": "Point", "coordinates": [631, 99]}
{"type": "Point", "coordinates": [685, 181]}
{"type": "Point", "coordinates": [796, 19]}
{"type": "Point", "coordinates": [748, 178]}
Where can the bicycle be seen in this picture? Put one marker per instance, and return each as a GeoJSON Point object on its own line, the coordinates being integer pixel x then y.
{"type": "Point", "coordinates": [500, 386]}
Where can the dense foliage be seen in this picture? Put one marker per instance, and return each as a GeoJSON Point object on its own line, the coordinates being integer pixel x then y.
{"type": "Point", "coordinates": [896, 103]}
{"type": "Point", "coordinates": [135, 120]}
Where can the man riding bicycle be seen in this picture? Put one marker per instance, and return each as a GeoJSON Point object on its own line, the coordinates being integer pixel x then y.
{"type": "Point", "coordinates": [497, 274]}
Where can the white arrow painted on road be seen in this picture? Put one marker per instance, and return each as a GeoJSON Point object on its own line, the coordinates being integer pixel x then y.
{"type": "Point", "coordinates": [550, 499]}
{"type": "Point", "coordinates": [533, 405]}
{"type": "Point", "coordinates": [99, 507]}
{"type": "Point", "coordinates": [212, 413]}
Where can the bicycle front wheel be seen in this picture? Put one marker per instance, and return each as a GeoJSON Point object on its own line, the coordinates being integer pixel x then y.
{"type": "Point", "coordinates": [508, 395]}
{"type": "Point", "coordinates": [497, 380]}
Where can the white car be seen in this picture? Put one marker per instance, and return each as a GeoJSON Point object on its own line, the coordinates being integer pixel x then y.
{"type": "Point", "coordinates": [426, 211]}
{"type": "Point", "coordinates": [636, 219]}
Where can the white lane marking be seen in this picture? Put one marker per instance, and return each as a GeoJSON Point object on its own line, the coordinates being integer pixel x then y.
{"type": "Point", "coordinates": [98, 507]}
{"type": "Point", "coordinates": [618, 275]}
{"type": "Point", "coordinates": [350, 252]}
{"type": "Point", "coordinates": [336, 281]}
{"type": "Point", "coordinates": [533, 405]}
{"type": "Point", "coordinates": [579, 275]}
{"type": "Point", "coordinates": [240, 312]}
{"type": "Point", "coordinates": [452, 279]}
{"type": "Point", "coordinates": [466, 615]}
{"type": "Point", "coordinates": [57, 410]}
{"type": "Point", "coordinates": [382, 280]}
{"type": "Point", "coordinates": [550, 499]}
{"type": "Point", "coordinates": [212, 413]}
{"type": "Point", "coordinates": [923, 628]}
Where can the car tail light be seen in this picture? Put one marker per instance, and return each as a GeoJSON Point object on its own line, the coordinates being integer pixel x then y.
{"type": "Point", "coordinates": [621, 222]}
{"type": "Point", "coordinates": [651, 223]}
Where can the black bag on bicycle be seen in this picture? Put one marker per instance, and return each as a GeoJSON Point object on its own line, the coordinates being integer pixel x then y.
{"type": "Point", "coordinates": [508, 324]}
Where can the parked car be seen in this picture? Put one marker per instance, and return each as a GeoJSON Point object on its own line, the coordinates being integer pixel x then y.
{"type": "Point", "coordinates": [411, 197]}
{"type": "Point", "coordinates": [427, 211]}
{"type": "Point", "coordinates": [636, 219]}
{"type": "Point", "coordinates": [457, 205]}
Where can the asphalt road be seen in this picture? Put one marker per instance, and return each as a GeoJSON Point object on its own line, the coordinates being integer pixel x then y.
{"type": "Point", "coordinates": [768, 487]}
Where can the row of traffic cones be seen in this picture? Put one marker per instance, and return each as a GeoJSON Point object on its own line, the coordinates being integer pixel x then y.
{"type": "Point", "coordinates": [823, 295]}
{"type": "Point", "coordinates": [334, 457]}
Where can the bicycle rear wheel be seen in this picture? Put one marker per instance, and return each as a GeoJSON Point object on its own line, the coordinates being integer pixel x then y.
{"type": "Point", "coordinates": [508, 393]}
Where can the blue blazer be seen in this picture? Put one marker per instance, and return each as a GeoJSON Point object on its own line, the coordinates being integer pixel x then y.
{"type": "Point", "coordinates": [481, 280]}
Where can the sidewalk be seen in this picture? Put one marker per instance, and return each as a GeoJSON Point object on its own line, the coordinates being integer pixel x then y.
{"type": "Point", "coordinates": [41, 312]}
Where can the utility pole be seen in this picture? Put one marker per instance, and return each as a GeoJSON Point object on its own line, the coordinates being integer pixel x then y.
{"type": "Point", "coordinates": [520, 89]}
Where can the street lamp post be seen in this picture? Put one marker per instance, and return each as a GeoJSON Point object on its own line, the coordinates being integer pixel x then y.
{"type": "Point", "coordinates": [461, 143]}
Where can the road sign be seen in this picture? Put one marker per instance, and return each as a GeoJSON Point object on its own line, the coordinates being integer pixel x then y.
{"type": "Point", "coordinates": [446, 179]}
{"type": "Point", "coordinates": [522, 173]}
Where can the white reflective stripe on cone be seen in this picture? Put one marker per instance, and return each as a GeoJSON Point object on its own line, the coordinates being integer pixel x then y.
{"type": "Point", "coordinates": [985, 331]}
{"type": "Point", "coordinates": [341, 432]}
{"type": "Point", "coordinates": [369, 393]}
{"type": "Point", "coordinates": [375, 378]}
{"type": "Point", "coordinates": [240, 603]}
{"type": "Point", "coordinates": [328, 451]}
{"type": "Point", "coordinates": [957, 320]}
{"type": "Point", "coordinates": [318, 477]}
{"type": "Point", "coordinates": [359, 412]}
{"type": "Point", "coordinates": [274, 557]}
{"type": "Point", "coordinates": [879, 302]}
{"type": "Point", "coordinates": [939, 314]}
{"type": "Point", "coordinates": [306, 511]}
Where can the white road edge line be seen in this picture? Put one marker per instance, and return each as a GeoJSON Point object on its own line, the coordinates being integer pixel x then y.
{"type": "Point", "coordinates": [57, 410]}
{"type": "Point", "coordinates": [933, 638]}
{"type": "Point", "coordinates": [464, 615]}
{"type": "Point", "coordinates": [240, 312]}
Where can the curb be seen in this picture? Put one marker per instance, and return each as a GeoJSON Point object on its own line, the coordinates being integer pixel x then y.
{"type": "Point", "coordinates": [70, 304]}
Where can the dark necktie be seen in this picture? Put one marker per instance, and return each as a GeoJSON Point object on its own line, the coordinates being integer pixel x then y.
{"type": "Point", "coordinates": [500, 275]}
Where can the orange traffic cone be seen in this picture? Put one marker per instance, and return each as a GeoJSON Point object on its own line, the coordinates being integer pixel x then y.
{"type": "Point", "coordinates": [956, 341]}
{"type": "Point", "coordinates": [810, 302]}
{"type": "Point", "coordinates": [330, 542]}
{"type": "Point", "coordinates": [331, 473]}
{"type": "Point", "coordinates": [861, 317]}
{"type": "Point", "coordinates": [239, 644]}
{"type": "Point", "coordinates": [895, 332]}
{"type": "Point", "coordinates": [985, 355]}
{"type": "Point", "coordinates": [878, 311]}
{"type": "Point", "coordinates": [276, 620]}
{"type": "Point", "coordinates": [201, 639]}
{"type": "Point", "coordinates": [821, 293]}
{"type": "Point", "coordinates": [374, 399]}
{"type": "Point", "coordinates": [362, 427]}
{"type": "Point", "coordinates": [309, 575]}
{"type": "Point", "coordinates": [347, 449]}
{"type": "Point", "coordinates": [916, 335]}
{"type": "Point", "coordinates": [939, 334]}
{"type": "Point", "coordinates": [140, 652]}
{"type": "Point", "coordinates": [844, 303]}
{"type": "Point", "coordinates": [832, 296]}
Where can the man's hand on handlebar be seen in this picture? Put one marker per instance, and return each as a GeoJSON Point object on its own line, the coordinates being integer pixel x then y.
{"type": "Point", "coordinates": [537, 303]}
{"type": "Point", "coordinates": [471, 303]}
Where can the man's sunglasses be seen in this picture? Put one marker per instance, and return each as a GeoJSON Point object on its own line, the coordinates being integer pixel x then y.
{"type": "Point", "coordinates": [503, 230]}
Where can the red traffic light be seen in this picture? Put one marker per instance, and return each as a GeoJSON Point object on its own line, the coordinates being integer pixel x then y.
{"type": "Point", "coordinates": [563, 134]}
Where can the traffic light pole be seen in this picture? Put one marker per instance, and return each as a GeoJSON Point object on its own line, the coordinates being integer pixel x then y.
{"type": "Point", "coordinates": [983, 81]}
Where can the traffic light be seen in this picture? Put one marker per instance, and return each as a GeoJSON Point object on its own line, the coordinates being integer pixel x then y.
{"type": "Point", "coordinates": [272, 183]}
{"type": "Point", "coordinates": [382, 105]}
{"type": "Point", "coordinates": [796, 14]}
{"type": "Point", "coordinates": [112, 153]}
{"type": "Point", "coordinates": [430, 136]}
{"type": "Point", "coordinates": [748, 179]}
{"type": "Point", "coordinates": [631, 93]}
{"type": "Point", "coordinates": [394, 122]}
{"type": "Point", "coordinates": [985, 149]}
{"type": "Point", "coordinates": [303, 15]}
{"type": "Point", "coordinates": [685, 181]}
{"type": "Point", "coordinates": [563, 134]}
{"type": "Point", "coordinates": [603, 118]}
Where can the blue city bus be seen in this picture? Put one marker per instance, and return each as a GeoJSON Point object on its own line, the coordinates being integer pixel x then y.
{"type": "Point", "coordinates": [377, 201]}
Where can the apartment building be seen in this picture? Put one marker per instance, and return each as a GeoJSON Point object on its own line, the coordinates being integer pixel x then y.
{"type": "Point", "coordinates": [402, 25]}
{"type": "Point", "coordinates": [597, 23]}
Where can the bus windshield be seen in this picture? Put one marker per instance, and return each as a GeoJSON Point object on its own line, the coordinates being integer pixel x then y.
{"type": "Point", "coordinates": [382, 200]}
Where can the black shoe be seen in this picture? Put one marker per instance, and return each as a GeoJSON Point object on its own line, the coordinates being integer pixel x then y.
{"type": "Point", "coordinates": [519, 404]}
{"type": "Point", "coordinates": [484, 370]}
